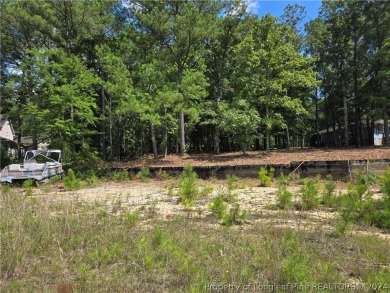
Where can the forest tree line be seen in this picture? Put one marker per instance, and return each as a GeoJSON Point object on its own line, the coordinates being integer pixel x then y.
{"type": "Point", "coordinates": [127, 78]}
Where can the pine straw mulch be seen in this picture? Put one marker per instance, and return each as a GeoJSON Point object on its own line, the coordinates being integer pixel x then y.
{"type": "Point", "coordinates": [274, 157]}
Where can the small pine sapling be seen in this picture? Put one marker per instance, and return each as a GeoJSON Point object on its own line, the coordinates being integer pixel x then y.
{"type": "Point", "coordinates": [284, 197]}
{"type": "Point", "coordinates": [218, 207]}
{"type": "Point", "coordinates": [188, 182]}
{"type": "Point", "coordinates": [265, 179]}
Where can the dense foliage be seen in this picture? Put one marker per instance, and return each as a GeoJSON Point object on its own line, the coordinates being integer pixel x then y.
{"type": "Point", "coordinates": [128, 78]}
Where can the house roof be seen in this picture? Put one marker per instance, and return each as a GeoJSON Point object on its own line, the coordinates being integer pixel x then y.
{"type": "Point", "coordinates": [4, 120]}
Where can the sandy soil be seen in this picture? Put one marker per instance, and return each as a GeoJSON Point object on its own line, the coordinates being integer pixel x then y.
{"type": "Point", "coordinates": [153, 200]}
{"type": "Point", "coordinates": [263, 158]}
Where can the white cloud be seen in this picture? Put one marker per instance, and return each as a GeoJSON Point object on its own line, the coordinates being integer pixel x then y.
{"type": "Point", "coordinates": [253, 6]}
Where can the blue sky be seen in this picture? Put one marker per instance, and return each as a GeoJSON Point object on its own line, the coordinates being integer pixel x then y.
{"type": "Point", "coordinates": [276, 7]}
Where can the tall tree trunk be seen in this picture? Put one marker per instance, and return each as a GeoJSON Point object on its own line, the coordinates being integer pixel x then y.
{"type": "Point", "coordinates": [369, 131]}
{"type": "Point", "coordinates": [20, 121]}
{"type": "Point", "coordinates": [356, 96]}
{"type": "Point", "coordinates": [217, 130]}
{"type": "Point", "coordinates": [317, 122]}
{"type": "Point", "coordinates": [165, 143]}
{"type": "Point", "coordinates": [217, 134]}
{"type": "Point", "coordinates": [219, 99]}
{"type": "Point", "coordinates": [103, 121]}
{"type": "Point", "coordinates": [182, 134]}
{"type": "Point", "coordinates": [345, 109]}
{"type": "Point", "coordinates": [386, 125]}
{"type": "Point", "coordinates": [110, 127]}
{"type": "Point", "coordinates": [154, 144]}
{"type": "Point", "coordinates": [287, 138]}
{"type": "Point", "coordinates": [334, 130]}
{"type": "Point", "coordinates": [267, 131]}
{"type": "Point", "coordinates": [34, 135]}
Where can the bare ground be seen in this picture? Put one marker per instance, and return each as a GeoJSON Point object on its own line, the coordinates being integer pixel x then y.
{"type": "Point", "coordinates": [263, 158]}
{"type": "Point", "coordinates": [153, 200]}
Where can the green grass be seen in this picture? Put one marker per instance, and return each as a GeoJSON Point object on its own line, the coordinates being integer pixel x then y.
{"type": "Point", "coordinates": [48, 245]}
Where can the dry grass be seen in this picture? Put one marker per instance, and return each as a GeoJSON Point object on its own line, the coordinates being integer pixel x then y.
{"type": "Point", "coordinates": [53, 246]}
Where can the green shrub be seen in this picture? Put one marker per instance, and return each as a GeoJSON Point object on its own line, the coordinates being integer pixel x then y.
{"type": "Point", "coordinates": [27, 186]}
{"type": "Point", "coordinates": [5, 189]}
{"type": "Point", "coordinates": [165, 175]}
{"type": "Point", "coordinates": [272, 173]}
{"type": "Point", "coordinates": [106, 255]}
{"type": "Point", "coordinates": [284, 197]}
{"type": "Point", "coordinates": [385, 182]}
{"type": "Point", "coordinates": [206, 190]}
{"type": "Point", "coordinates": [328, 196]}
{"type": "Point", "coordinates": [375, 213]}
{"type": "Point", "coordinates": [54, 180]}
{"type": "Point", "coordinates": [188, 186]}
{"type": "Point", "coordinates": [121, 175]}
{"type": "Point", "coordinates": [367, 178]}
{"type": "Point", "coordinates": [230, 196]}
{"type": "Point", "coordinates": [85, 160]}
{"type": "Point", "coordinates": [143, 174]}
{"type": "Point", "coordinates": [309, 196]}
{"type": "Point", "coordinates": [234, 217]}
{"type": "Point", "coordinates": [265, 179]}
{"type": "Point", "coordinates": [4, 156]}
{"type": "Point", "coordinates": [131, 218]}
{"type": "Point", "coordinates": [71, 182]}
{"type": "Point", "coordinates": [231, 182]}
{"type": "Point", "coordinates": [218, 207]}
{"type": "Point", "coordinates": [347, 212]}
{"type": "Point", "coordinates": [91, 181]}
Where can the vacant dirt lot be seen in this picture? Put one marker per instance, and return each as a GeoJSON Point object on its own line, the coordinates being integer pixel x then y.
{"type": "Point", "coordinates": [159, 200]}
{"type": "Point", "coordinates": [264, 158]}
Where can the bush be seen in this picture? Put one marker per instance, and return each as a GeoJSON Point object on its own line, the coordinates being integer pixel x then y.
{"type": "Point", "coordinates": [385, 182]}
{"type": "Point", "coordinates": [310, 199]}
{"type": "Point", "coordinates": [27, 186]}
{"type": "Point", "coordinates": [234, 217]}
{"type": "Point", "coordinates": [218, 207]}
{"type": "Point", "coordinates": [4, 156]}
{"type": "Point", "coordinates": [347, 212]}
{"type": "Point", "coordinates": [328, 196]}
{"type": "Point", "coordinates": [231, 185]}
{"type": "Point", "coordinates": [284, 197]}
{"type": "Point", "coordinates": [143, 174]}
{"type": "Point", "coordinates": [165, 175]}
{"type": "Point", "coordinates": [375, 213]}
{"type": "Point", "coordinates": [71, 182]}
{"type": "Point", "coordinates": [206, 190]}
{"type": "Point", "coordinates": [121, 175]}
{"type": "Point", "coordinates": [231, 182]}
{"type": "Point", "coordinates": [188, 182]}
{"type": "Point", "coordinates": [86, 160]}
{"type": "Point", "coordinates": [265, 178]}
{"type": "Point", "coordinates": [91, 180]}
{"type": "Point", "coordinates": [367, 178]}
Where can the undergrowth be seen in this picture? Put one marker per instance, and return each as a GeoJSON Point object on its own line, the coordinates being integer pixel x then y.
{"type": "Point", "coordinates": [51, 244]}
